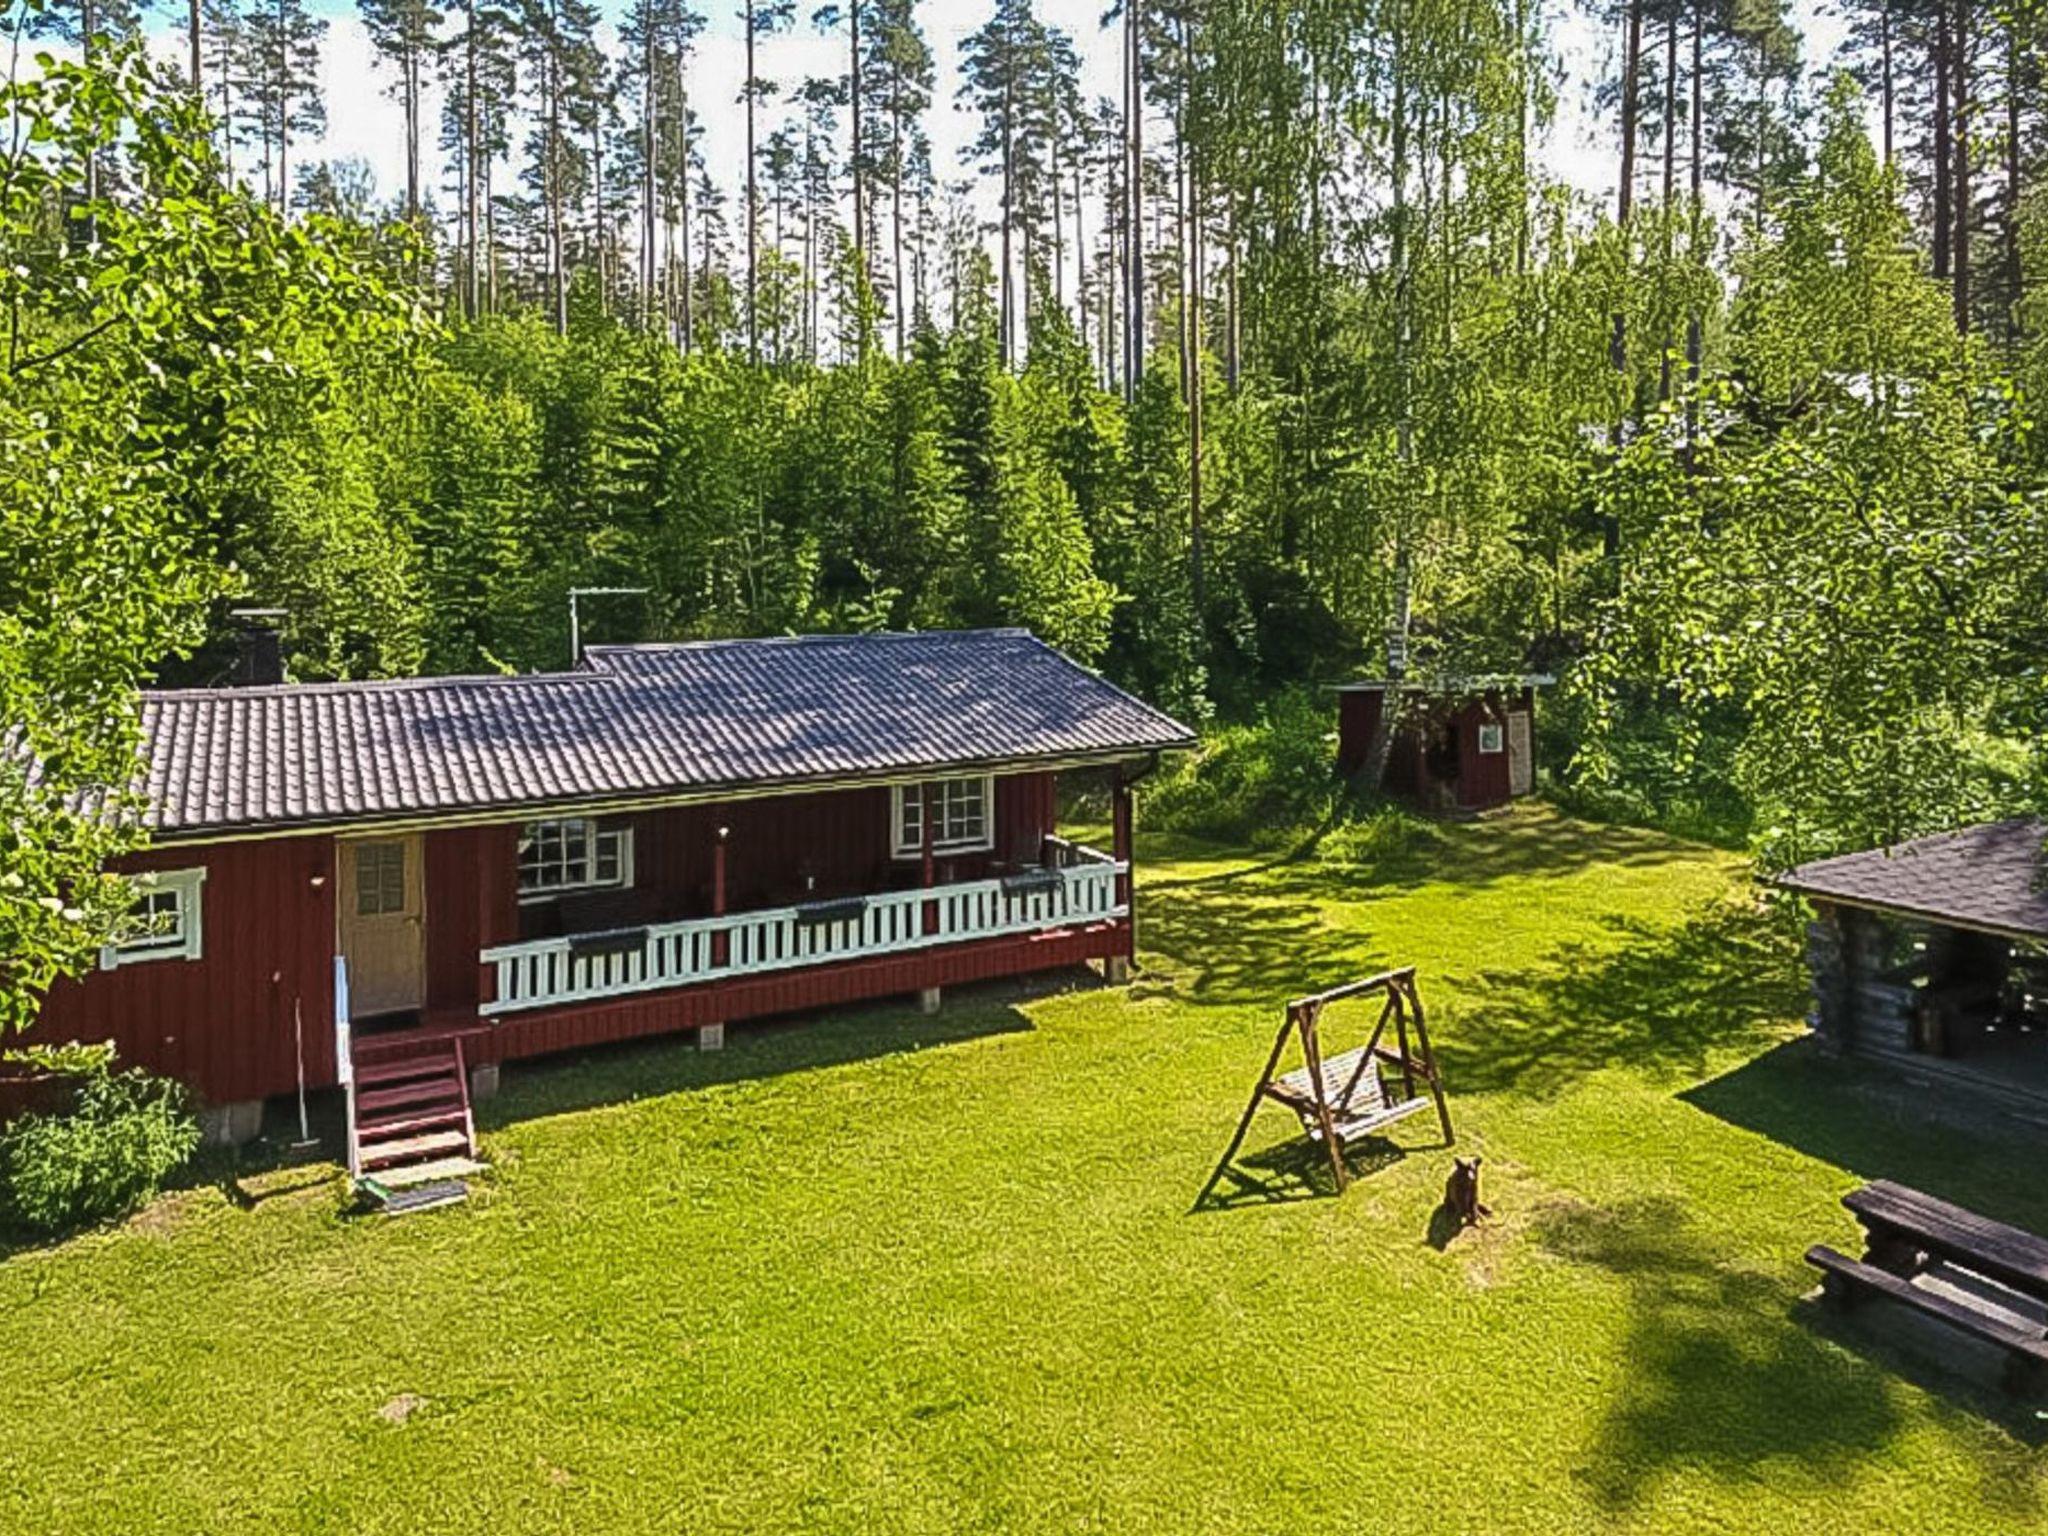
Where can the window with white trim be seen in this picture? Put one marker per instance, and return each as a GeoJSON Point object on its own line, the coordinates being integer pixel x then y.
{"type": "Point", "coordinates": [165, 921]}
{"type": "Point", "coordinates": [1490, 739]}
{"type": "Point", "coordinates": [574, 854]}
{"type": "Point", "coordinates": [963, 819]}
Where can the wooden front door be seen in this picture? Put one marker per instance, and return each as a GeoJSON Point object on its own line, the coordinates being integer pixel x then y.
{"type": "Point", "coordinates": [1521, 753]}
{"type": "Point", "coordinates": [383, 928]}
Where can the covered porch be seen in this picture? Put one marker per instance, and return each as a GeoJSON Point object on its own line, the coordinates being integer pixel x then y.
{"type": "Point", "coordinates": [1933, 957]}
{"type": "Point", "coordinates": [563, 931]}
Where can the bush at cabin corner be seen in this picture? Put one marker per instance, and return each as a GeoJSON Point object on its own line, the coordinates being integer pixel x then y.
{"type": "Point", "coordinates": [109, 1153]}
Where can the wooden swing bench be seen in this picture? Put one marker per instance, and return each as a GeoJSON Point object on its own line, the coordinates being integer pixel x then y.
{"type": "Point", "coordinates": [1350, 1096]}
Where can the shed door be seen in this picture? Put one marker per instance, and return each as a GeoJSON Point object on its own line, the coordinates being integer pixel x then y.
{"type": "Point", "coordinates": [1521, 753]}
{"type": "Point", "coordinates": [383, 933]}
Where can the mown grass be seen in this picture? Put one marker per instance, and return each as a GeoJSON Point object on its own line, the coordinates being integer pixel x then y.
{"type": "Point", "coordinates": [888, 1273]}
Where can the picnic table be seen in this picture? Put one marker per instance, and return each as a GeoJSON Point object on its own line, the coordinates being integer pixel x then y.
{"type": "Point", "coordinates": [1999, 1274]}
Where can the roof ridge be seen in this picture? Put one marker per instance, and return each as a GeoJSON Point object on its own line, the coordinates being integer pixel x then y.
{"type": "Point", "coordinates": [448, 681]}
{"type": "Point", "coordinates": [815, 637]}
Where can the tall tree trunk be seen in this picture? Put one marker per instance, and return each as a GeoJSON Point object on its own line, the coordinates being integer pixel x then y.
{"type": "Point", "coordinates": [1631, 60]}
{"type": "Point", "coordinates": [1006, 298]}
{"type": "Point", "coordinates": [753, 202]}
{"type": "Point", "coordinates": [1695, 327]}
{"type": "Point", "coordinates": [1134, 191]}
{"type": "Point", "coordinates": [2015, 273]}
{"type": "Point", "coordinates": [600, 230]}
{"type": "Point", "coordinates": [1944, 212]}
{"type": "Point", "coordinates": [687, 296]}
{"type": "Point", "coordinates": [1191, 325]}
{"type": "Point", "coordinates": [1959, 75]}
{"type": "Point", "coordinates": [1884, 66]}
{"type": "Point", "coordinates": [551, 179]}
{"type": "Point", "coordinates": [859, 162]}
{"type": "Point", "coordinates": [411, 75]}
{"type": "Point", "coordinates": [1373, 774]}
{"type": "Point", "coordinates": [473, 154]}
{"type": "Point", "coordinates": [1667, 211]}
{"type": "Point", "coordinates": [896, 202]}
{"type": "Point", "coordinates": [193, 26]}
{"type": "Point", "coordinates": [1522, 51]}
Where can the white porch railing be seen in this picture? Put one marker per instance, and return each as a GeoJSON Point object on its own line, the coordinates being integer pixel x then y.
{"type": "Point", "coordinates": [1078, 886]}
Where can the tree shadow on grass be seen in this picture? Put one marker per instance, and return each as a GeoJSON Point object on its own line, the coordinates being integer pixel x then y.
{"type": "Point", "coordinates": [543, 1087]}
{"type": "Point", "coordinates": [1857, 1115]}
{"type": "Point", "coordinates": [1723, 1377]}
{"type": "Point", "coordinates": [1263, 943]}
{"type": "Point", "coordinates": [1663, 1003]}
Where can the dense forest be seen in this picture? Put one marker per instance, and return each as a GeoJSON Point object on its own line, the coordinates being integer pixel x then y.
{"type": "Point", "coordinates": [1288, 356]}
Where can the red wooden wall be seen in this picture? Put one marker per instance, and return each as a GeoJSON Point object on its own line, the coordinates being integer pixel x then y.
{"type": "Point", "coordinates": [223, 1023]}
{"type": "Point", "coordinates": [1483, 778]}
{"type": "Point", "coordinates": [780, 849]}
{"type": "Point", "coordinates": [1358, 716]}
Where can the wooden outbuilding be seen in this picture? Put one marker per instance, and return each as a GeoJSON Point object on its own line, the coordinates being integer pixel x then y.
{"type": "Point", "coordinates": [1931, 956]}
{"type": "Point", "coordinates": [1462, 744]}
{"type": "Point", "coordinates": [670, 838]}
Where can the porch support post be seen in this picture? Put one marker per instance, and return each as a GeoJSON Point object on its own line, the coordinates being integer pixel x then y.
{"type": "Point", "coordinates": [924, 821]}
{"type": "Point", "coordinates": [496, 851]}
{"type": "Point", "coordinates": [721, 941]}
{"type": "Point", "coordinates": [1117, 968]}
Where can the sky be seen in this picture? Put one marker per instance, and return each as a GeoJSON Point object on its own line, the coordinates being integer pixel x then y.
{"type": "Point", "coordinates": [363, 121]}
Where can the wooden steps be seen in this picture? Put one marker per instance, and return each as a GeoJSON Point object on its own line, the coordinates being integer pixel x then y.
{"type": "Point", "coordinates": [410, 1106]}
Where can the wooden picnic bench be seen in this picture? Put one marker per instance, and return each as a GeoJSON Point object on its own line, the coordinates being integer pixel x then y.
{"type": "Point", "coordinates": [1910, 1236]}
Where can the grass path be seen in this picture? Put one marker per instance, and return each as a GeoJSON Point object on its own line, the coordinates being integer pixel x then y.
{"type": "Point", "coordinates": [886, 1273]}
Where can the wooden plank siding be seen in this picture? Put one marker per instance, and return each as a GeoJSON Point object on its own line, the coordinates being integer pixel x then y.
{"type": "Point", "coordinates": [1484, 779]}
{"type": "Point", "coordinates": [223, 1023]}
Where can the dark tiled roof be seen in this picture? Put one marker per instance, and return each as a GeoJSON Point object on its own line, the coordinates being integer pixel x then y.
{"type": "Point", "coordinates": [638, 721]}
{"type": "Point", "coordinates": [1992, 877]}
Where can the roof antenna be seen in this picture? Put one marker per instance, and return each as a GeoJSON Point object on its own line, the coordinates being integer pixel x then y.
{"type": "Point", "coordinates": [575, 618]}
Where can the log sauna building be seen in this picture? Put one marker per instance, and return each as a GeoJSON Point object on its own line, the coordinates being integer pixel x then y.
{"type": "Point", "coordinates": [1932, 956]}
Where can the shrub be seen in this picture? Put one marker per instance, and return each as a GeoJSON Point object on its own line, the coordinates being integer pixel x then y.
{"type": "Point", "coordinates": [126, 1134]}
{"type": "Point", "coordinates": [1274, 777]}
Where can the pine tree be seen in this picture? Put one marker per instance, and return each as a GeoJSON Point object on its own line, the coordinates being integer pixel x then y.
{"type": "Point", "coordinates": [560, 55]}
{"type": "Point", "coordinates": [902, 66]}
{"type": "Point", "coordinates": [405, 34]}
{"type": "Point", "coordinates": [283, 85]}
{"type": "Point", "coordinates": [758, 19]}
{"type": "Point", "coordinates": [480, 73]}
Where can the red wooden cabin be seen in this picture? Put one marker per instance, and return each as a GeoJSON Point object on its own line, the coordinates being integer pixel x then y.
{"type": "Point", "coordinates": [1463, 744]}
{"type": "Point", "coordinates": [669, 838]}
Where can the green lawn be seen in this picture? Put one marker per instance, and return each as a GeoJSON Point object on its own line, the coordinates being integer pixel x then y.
{"type": "Point", "coordinates": [886, 1273]}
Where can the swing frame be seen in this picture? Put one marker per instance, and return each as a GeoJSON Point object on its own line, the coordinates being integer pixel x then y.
{"type": "Point", "coordinates": [1323, 1093]}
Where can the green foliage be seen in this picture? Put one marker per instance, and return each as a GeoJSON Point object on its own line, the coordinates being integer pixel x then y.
{"type": "Point", "coordinates": [1269, 779]}
{"type": "Point", "coordinates": [1843, 558]}
{"type": "Point", "coordinates": [162, 347]}
{"type": "Point", "coordinates": [125, 1134]}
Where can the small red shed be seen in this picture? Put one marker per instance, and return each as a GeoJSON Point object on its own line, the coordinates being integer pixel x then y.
{"type": "Point", "coordinates": [1459, 744]}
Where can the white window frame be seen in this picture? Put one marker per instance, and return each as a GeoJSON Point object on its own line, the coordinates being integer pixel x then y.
{"type": "Point", "coordinates": [188, 943]}
{"type": "Point", "coordinates": [1495, 732]}
{"type": "Point", "coordinates": [594, 836]}
{"type": "Point", "coordinates": [906, 845]}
